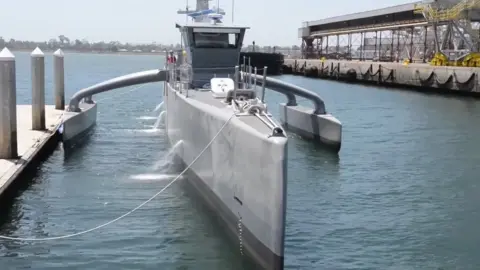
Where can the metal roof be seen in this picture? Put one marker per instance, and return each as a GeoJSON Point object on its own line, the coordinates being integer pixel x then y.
{"type": "Point", "coordinates": [366, 14]}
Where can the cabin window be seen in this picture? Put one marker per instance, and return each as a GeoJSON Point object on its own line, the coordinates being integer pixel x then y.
{"type": "Point", "coordinates": [215, 40]}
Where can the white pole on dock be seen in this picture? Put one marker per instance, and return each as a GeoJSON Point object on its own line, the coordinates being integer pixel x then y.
{"type": "Point", "coordinates": [59, 77]}
{"type": "Point", "coordinates": [255, 80]}
{"type": "Point", "coordinates": [244, 63]}
{"type": "Point", "coordinates": [233, 10]}
{"type": "Point", "coordinates": [8, 110]}
{"type": "Point", "coordinates": [249, 72]}
{"type": "Point", "coordinates": [264, 83]}
{"type": "Point", "coordinates": [235, 85]}
{"type": "Point", "coordinates": [38, 89]}
{"type": "Point", "coordinates": [249, 76]}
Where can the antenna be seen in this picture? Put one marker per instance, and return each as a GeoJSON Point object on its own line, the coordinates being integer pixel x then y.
{"type": "Point", "coordinates": [233, 9]}
{"type": "Point", "coordinates": [186, 13]}
{"type": "Point", "coordinates": [218, 6]}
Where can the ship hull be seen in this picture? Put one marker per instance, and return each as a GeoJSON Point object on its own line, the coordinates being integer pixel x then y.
{"type": "Point", "coordinates": [241, 177]}
{"type": "Point", "coordinates": [229, 220]}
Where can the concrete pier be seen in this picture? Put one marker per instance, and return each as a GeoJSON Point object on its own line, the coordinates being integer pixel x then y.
{"type": "Point", "coordinates": [30, 143]}
{"type": "Point", "coordinates": [461, 80]}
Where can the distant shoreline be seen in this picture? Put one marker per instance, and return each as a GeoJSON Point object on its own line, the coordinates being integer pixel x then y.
{"type": "Point", "coordinates": [93, 52]}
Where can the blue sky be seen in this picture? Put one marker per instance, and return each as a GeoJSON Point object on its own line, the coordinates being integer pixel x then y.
{"type": "Point", "coordinates": [272, 22]}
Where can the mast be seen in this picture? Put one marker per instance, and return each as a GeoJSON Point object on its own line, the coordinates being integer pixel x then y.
{"type": "Point", "coordinates": [186, 14]}
{"type": "Point", "coordinates": [202, 8]}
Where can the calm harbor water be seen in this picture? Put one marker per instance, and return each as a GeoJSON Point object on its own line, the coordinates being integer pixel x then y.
{"type": "Point", "coordinates": [401, 194]}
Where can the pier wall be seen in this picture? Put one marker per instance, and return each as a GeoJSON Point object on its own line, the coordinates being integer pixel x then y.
{"type": "Point", "coordinates": [414, 75]}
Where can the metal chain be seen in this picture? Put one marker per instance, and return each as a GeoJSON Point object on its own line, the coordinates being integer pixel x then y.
{"type": "Point", "coordinates": [240, 234]}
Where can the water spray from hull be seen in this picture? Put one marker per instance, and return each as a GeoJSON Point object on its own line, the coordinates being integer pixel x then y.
{"type": "Point", "coordinates": [159, 107]}
{"type": "Point", "coordinates": [168, 162]}
{"type": "Point", "coordinates": [160, 120]}
{"type": "Point", "coordinates": [166, 168]}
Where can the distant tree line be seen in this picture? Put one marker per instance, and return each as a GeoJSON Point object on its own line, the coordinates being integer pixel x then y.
{"type": "Point", "coordinates": [84, 45]}
{"type": "Point", "coordinates": [113, 46]}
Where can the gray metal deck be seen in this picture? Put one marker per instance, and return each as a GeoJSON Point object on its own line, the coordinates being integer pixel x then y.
{"type": "Point", "coordinates": [205, 96]}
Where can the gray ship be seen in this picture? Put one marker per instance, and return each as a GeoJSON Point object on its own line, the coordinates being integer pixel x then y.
{"type": "Point", "coordinates": [234, 151]}
{"type": "Point", "coordinates": [210, 101]}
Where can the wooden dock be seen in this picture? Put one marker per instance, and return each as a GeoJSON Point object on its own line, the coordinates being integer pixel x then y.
{"type": "Point", "coordinates": [31, 143]}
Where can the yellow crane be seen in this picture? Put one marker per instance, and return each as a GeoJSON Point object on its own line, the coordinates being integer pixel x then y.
{"type": "Point", "coordinates": [449, 16]}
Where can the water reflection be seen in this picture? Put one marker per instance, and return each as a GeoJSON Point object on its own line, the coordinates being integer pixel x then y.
{"type": "Point", "coordinates": [15, 213]}
{"type": "Point", "coordinates": [222, 251]}
{"type": "Point", "coordinates": [318, 157]}
{"type": "Point", "coordinates": [80, 147]}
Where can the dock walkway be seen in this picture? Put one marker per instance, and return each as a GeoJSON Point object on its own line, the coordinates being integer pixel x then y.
{"type": "Point", "coordinates": [30, 142]}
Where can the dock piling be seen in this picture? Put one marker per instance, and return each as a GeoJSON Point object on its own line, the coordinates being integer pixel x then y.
{"type": "Point", "coordinates": [38, 89]}
{"type": "Point", "coordinates": [8, 115]}
{"type": "Point", "coordinates": [59, 77]}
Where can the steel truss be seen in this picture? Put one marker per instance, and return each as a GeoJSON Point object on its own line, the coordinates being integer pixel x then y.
{"type": "Point", "coordinates": [447, 36]}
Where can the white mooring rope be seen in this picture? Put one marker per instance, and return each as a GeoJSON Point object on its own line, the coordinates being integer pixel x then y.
{"type": "Point", "coordinates": [129, 212]}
